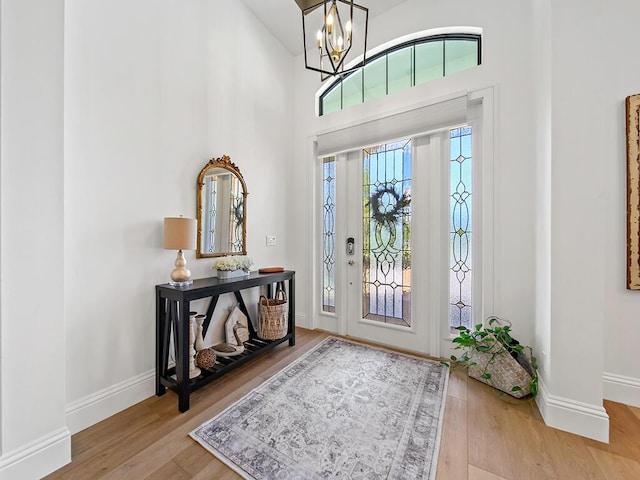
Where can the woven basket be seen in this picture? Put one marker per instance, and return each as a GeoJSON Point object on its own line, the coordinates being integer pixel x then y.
{"type": "Point", "coordinates": [506, 372]}
{"type": "Point", "coordinates": [272, 316]}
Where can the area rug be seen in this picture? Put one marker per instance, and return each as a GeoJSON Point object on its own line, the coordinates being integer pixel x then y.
{"type": "Point", "coordinates": [343, 410]}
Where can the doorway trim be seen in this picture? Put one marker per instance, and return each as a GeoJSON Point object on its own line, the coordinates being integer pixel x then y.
{"type": "Point", "coordinates": [481, 116]}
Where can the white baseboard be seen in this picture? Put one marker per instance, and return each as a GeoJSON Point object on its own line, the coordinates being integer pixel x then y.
{"type": "Point", "coordinates": [96, 407]}
{"type": "Point", "coordinates": [38, 458]}
{"type": "Point", "coordinates": [583, 419]}
{"type": "Point", "coordinates": [618, 388]}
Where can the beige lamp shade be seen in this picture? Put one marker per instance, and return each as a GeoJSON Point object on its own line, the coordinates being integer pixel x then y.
{"type": "Point", "coordinates": [180, 233]}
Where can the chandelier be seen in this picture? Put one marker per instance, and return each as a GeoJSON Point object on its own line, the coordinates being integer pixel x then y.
{"type": "Point", "coordinates": [331, 30]}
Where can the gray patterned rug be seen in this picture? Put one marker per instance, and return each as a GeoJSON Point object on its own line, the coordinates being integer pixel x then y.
{"type": "Point", "coordinates": [343, 411]}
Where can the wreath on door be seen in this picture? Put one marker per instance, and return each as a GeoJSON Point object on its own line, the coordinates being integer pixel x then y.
{"type": "Point", "coordinates": [388, 215]}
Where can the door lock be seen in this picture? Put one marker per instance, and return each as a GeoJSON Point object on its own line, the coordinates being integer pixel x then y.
{"type": "Point", "coordinates": [351, 262]}
{"type": "Point", "coordinates": [351, 246]}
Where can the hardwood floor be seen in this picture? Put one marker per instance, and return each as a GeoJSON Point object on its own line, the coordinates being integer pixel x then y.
{"type": "Point", "coordinates": [483, 438]}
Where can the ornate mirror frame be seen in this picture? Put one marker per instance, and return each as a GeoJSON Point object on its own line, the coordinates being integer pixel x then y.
{"type": "Point", "coordinates": [225, 163]}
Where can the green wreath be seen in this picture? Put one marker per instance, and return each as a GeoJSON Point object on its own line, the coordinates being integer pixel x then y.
{"type": "Point", "coordinates": [390, 216]}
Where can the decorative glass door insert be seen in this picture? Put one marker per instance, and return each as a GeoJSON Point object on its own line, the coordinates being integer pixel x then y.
{"type": "Point", "coordinates": [460, 229]}
{"type": "Point", "coordinates": [329, 234]}
{"type": "Point", "coordinates": [386, 226]}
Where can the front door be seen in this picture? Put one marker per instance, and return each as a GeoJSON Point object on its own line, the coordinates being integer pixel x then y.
{"type": "Point", "coordinates": [396, 257]}
{"type": "Point", "coordinates": [381, 272]}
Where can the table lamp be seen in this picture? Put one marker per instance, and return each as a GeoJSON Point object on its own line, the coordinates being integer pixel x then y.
{"type": "Point", "coordinates": [180, 234]}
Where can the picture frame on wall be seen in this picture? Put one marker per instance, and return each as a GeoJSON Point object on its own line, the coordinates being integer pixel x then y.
{"type": "Point", "coordinates": [632, 109]}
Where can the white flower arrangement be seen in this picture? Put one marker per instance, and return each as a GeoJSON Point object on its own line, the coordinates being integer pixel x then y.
{"type": "Point", "coordinates": [232, 262]}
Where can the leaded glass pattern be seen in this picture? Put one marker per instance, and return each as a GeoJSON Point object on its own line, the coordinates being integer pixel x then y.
{"type": "Point", "coordinates": [386, 256]}
{"type": "Point", "coordinates": [237, 207]}
{"type": "Point", "coordinates": [329, 234]}
{"type": "Point", "coordinates": [403, 66]}
{"type": "Point", "coordinates": [210, 239]}
{"type": "Point", "coordinates": [460, 228]}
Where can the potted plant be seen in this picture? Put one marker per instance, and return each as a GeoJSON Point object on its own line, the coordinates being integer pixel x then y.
{"type": "Point", "coordinates": [494, 357]}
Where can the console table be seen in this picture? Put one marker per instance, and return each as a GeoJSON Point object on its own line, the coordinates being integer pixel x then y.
{"type": "Point", "coordinates": [172, 315]}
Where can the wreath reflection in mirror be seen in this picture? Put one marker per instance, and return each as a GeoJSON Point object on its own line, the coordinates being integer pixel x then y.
{"type": "Point", "coordinates": [388, 214]}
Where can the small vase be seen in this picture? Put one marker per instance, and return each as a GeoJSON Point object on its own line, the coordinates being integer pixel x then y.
{"type": "Point", "coordinates": [225, 274]}
{"type": "Point", "coordinates": [199, 344]}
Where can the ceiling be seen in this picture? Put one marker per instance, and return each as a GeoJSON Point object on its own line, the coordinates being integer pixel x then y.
{"type": "Point", "coordinates": [276, 13]}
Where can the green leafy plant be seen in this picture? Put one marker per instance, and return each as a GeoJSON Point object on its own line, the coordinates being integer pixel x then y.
{"type": "Point", "coordinates": [490, 342]}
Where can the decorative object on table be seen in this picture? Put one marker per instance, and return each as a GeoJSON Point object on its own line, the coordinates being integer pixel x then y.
{"type": "Point", "coordinates": [206, 358]}
{"type": "Point", "coordinates": [199, 339]}
{"type": "Point", "coordinates": [328, 35]}
{"type": "Point", "coordinates": [225, 349]}
{"type": "Point", "coordinates": [221, 209]}
{"type": "Point", "coordinates": [632, 104]}
{"type": "Point", "coordinates": [232, 266]}
{"type": "Point", "coordinates": [180, 234]}
{"type": "Point", "coordinates": [494, 357]}
{"type": "Point", "coordinates": [236, 327]}
{"type": "Point", "coordinates": [388, 423]}
{"type": "Point", "coordinates": [271, 270]}
{"type": "Point", "coordinates": [193, 370]}
{"type": "Point", "coordinates": [272, 316]}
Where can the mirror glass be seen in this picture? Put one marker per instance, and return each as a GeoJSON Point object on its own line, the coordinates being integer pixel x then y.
{"type": "Point", "coordinates": [222, 207]}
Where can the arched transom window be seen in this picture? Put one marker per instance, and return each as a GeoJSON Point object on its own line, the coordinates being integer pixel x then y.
{"type": "Point", "coordinates": [402, 66]}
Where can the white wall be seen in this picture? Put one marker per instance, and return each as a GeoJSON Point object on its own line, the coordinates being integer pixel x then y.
{"type": "Point", "coordinates": [506, 67]}
{"type": "Point", "coordinates": [607, 75]}
{"type": "Point", "coordinates": [588, 325]}
{"type": "Point", "coordinates": [33, 436]}
{"type": "Point", "coordinates": [153, 90]}
{"type": "Point", "coordinates": [571, 384]}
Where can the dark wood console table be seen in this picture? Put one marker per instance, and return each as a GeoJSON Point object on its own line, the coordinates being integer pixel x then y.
{"type": "Point", "coordinates": [172, 314]}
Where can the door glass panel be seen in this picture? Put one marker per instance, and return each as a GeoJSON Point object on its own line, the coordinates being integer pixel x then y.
{"type": "Point", "coordinates": [429, 61]}
{"type": "Point", "coordinates": [223, 193]}
{"type": "Point", "coordinates": [375, 78]}
{"type": "Point", "coordinates": [211, 197]}
{"type": "Point", "coordinates": [386, 256]}
{"type": "Point", "coordinates": [332, 101]}
{"type": "Point", "coordinates": [236, 216]}
{"type": "Point", "coordinates": [460, 229]}
{"type": "Point", "coordinates": [352, 89]}
{"type": "Point", "coordinates": [329, 235]}
{"type": "Point", "coordinates": [400, 70]}
{"type": "Point", "coordinates": [460, 55]}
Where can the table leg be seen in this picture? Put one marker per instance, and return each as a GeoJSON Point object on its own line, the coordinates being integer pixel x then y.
{"type": "Point", "coordinates": [161, 343]}
{"type": "Point", "coordinates": [182, 359]}
{"type": "Point", "coordinates": [292, 311]}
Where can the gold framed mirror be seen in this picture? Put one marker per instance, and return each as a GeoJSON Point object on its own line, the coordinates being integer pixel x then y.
{"type": "Point", "coordinates": [221, 209]}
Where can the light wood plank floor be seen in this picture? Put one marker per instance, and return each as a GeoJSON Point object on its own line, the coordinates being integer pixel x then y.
{"type": "Point", "coordinates": [484, 437]}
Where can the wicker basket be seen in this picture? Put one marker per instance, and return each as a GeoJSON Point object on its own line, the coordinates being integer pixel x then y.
{"type": "Point", "coordinates": [272, 316]}
{"type": "Point", "coordinates": [506, 372]}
